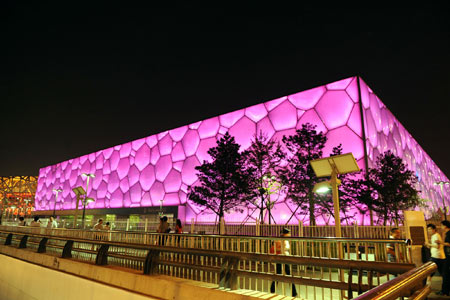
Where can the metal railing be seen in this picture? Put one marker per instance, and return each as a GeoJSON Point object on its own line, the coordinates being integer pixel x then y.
{"type": "Point", "coordinates": [217, 260]}
{"type": "Point", "coordinates": [345, 248]}
{"type": "Point", "coordinates": [410, 284]}
{"type": "Point", "coordinates": [247, 229]}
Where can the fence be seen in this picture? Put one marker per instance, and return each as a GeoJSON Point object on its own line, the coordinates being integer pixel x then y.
{"type": "Point", "coordinates": [228, 262]}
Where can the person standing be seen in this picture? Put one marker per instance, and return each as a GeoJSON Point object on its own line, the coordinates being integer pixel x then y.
{"type": "Point", "coordinates": [178, 227]}
{"type": "Point", "coordinates": [436, 247]}
{"type": "Point", "coordinates": [52, 223]}
{"type": "Point", "coordinates": [35, 222]}
{"type": "Point", "coordinates": [390, 247]}
{"type": "Point", "coordinates": [22, 221]}
{"type": "Point", "coordinates": [99, 225]}
{"type": "Point", "coordinates": [446, 267]}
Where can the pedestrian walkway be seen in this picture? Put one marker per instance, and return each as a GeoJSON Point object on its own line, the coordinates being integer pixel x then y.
{"type": "Point", "coordinates": [436, 285]}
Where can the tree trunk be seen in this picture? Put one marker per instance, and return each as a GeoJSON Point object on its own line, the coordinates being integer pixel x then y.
{"type": "Point", "coordinates": [312, 217]}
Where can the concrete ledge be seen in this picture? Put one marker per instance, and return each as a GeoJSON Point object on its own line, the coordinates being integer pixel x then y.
{"type": "Point", "coordinates": [159, 286]}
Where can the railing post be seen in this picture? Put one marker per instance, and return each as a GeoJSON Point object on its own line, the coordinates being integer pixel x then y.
{"type": "Point", "coordinates": [42, 245]}
{"type": "Point", "coordinates": [151, 262]}
{"type": "Point", "coordinates": [356, 229]}
{"type": "Point", "coordinates": [146, 225]}
{"type": "Point", "coordinates": [128, 224]}
{"type": "Point", "coordinates": [23, 242]}
{"type": "Point", "coordinates": [192, 225]}
{"type": "Point", "coordinates": [102, 255]}
{"type": "Point", "coordinates": [8, 239]}
{"type": "Point", "coordinates": [228, 277]}
{"type": "Point", "coordinates": [300, 228]}
{"type": "Point", "coordinates": [257, 228]}
{"type": "Point", "coordinates": [67, 251]}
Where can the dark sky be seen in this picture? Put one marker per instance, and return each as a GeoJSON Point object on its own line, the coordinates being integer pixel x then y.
{"type": "Point", "coordinates": [75, 80]}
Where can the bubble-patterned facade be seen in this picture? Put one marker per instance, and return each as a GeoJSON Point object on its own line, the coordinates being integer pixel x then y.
{"type": "Point", "coordinates": [143, 172]}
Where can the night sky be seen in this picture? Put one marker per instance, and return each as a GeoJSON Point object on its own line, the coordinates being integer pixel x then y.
{"type": "Point", "coordinates": [75, 80]}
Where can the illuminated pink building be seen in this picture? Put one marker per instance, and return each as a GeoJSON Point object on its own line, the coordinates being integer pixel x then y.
{"type": "Point", "coordinates": [141, 173]}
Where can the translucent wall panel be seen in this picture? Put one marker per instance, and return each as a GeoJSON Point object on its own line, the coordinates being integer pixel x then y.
{"type": "Point", "coordinates": [162, 166]}
{"type": "Point", "coordinates": [384, 132]}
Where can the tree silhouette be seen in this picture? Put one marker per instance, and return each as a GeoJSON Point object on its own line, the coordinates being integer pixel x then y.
{"type": "Point", "coordinates": [264, 157]}
{"type": "Point", "coordinates": [223, 182]}
{"type": "Point", "coordinates": [299, 178]}
{"type": "Point", "coordinates": [394, 186]}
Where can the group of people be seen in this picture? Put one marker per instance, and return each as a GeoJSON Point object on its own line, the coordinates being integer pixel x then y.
{"type": "Point", "coordinates": [439, 252]}
{"type": "Point", "coordinates": [37, 223]}
{"type": "Point", "coordinates": [164, 226]}
{"type": "Point", "coordinates": [99, 225]}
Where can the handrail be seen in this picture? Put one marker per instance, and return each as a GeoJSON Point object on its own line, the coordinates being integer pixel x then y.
{"type": "Point", "coordinates": [302, 239]}
{"type": "Point", "coordinates": [403, 285]}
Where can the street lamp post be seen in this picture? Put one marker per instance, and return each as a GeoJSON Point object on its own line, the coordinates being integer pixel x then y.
{"type": "Point", "coordinates": [442, 183]}
{"type": "Point", "coordinates": [57, 191]}
{"type": "Point", "coordinates": [86, 199]}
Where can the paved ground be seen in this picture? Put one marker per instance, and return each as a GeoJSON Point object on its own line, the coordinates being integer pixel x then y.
{"type": "Point", "coordinates": [436, 284]}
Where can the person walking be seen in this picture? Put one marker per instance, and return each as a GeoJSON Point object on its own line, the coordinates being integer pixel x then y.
{"type": "Point", "coordinates": [445, 290]}
{"type": "Point", "coordinates": [436, 247]}
{"type": "Point", "coordinates": [277, 248]}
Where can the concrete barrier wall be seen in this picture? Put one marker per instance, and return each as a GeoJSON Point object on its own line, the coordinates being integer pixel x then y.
{"type": "Point", "coordinates": [21, 280]}
{"type": "Point", "coordinates": [28, 275]}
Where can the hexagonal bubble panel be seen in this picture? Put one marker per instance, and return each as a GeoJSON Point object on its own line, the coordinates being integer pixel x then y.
{"type": "Point", "coordinates": [203, 148]}
{"type": "Point", "coordinates": [135, 145]}
{"type": "Point", "coordinates": [243, 131]}
{"type": "Point", "coordinates": [136, 193]}
{"type": "Point", "coordinates": [178, 133]}
{"type": "Point", "coordinates": [313, 118]}
{"type": "Point", "coordinates": [162, 167]}
{"type": "Point", "coordinates": [350, 141]}
{"type": "Point", "coordinates": [339, 85]}
{"type": "Point", "coordinates": [123, 167]}
{"type": "Point", "coordinates": [209, 128]}
{"type": "Point", "coordinates": [114, 160]}
{"type": "Point", "coordinates": [284, 116]}
{"type": "Point", "coordinates": [178, 152]}
{"type": "Point", "coordinates": [165, 145]}
{"type": "Point", "coordinates": [125, 150]}
{"type": "Point", "coordinates": [307, 99]}
{"type": "Point", "coordinates": [190, 142]}
{"type": "Point", "coordinates": [157, 193]}
{"type": "Point", "coordinates": [172, 183]}
{"type": "Point", "coordinates": [147, 178]}
{"type": "Point", "coordinates": [256, 112]}
{"type": "Point", "coordinates": [352, 90]}
{"type": "Point", "coordinates": [116, 199]}
{"type": "Point", "coordinates": [124, 185]}
{"type": "Point", "coordinates": [188, 173]}
{"type": "Point", "coordinates": [334, 108]}
{"type": "Point", "coordinates": [375, 111]}
{"type": "Point", "coordinates": [113, 182]}
{"type": "Point", "coordinates": [354, 121]}
{"type": "Point", "coordinates": [266, 127]}
{"type": "Point", "coordinates": [274, 103]}
{"type": "Point", "coordinates": [231, 118]}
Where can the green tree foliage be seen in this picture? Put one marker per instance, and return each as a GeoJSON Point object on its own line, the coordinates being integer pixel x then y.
{"type": "Point", "coordinates": [264, 157]}
{"type": "Point", "coordinates": [223, 182]}
{"type": "Point", "coordinates": [299, 178]}
{"type": "Point", "coordinates": [394, 185]}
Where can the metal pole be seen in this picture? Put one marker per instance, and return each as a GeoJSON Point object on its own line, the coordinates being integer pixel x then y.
{"type": "Point", "coordinates": [54, 207]}
{"type": "Point", "coordinates": [85, 200]}
{"type": "Point", "coordinates": [335, 190]}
